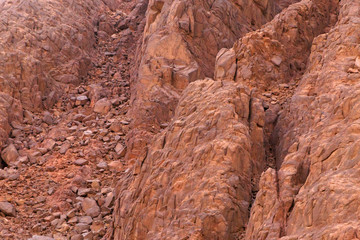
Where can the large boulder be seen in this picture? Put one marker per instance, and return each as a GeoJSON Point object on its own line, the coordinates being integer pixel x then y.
{"type": "Point", "coordinates": [9, 155]}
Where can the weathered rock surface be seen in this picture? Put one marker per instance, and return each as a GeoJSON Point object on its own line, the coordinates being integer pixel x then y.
{"type": "Point", "coordinates": [181, 40]}
{"type": "Point", "coordinates": [44, 184]}
{"type": "Point", "coordinates": [267, 150]}
{"type": "Point", "coordinates": [44, 46]}
{"type": "Point", "coordinates": [196, 180]}
{"type": "Point", "coordinates": [7, 208]}
{"type": "Point", "coordinates": [315, 192]}
{"type": "Point", "coordinates": [9, 155]}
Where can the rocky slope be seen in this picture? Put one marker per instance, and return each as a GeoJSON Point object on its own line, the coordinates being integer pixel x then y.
{"type": "Point", "coordinates": [61, 164]}
{"type": "Point", "coordinates": [179, 119]}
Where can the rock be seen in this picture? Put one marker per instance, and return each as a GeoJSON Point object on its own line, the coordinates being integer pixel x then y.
{"type": "Point", "coordinates": [90, 207]}
{"type": "Point", "coordinates": [116, 127]}
{"type": "Point", "coordinates": [28, 116]}
{"type": "Point", "coordinates": [176, 155]}
{"type": "Point", "coordinates": [102, 165]}
{"type": "Point", "coordinates": [80, 162]}
{"type": "Point", "coordinates": [3, 174]}
{"type": "Point", "coordinates": [48, 119]}
{"type": "Point", "coordinates": [81, 227]}
{"type": "Point", "coordinates": [120, 150]}
{"type": "Point", "coordinates": [83, 191]}
{"type": "Point", "coordinates": [43, 150]}
{"type": "Point", "coordinates": [81, 100]}
{"type": "Point", "coordinates": [86, 219]}
{"type": "Point", "coordinates": [49, 144]}
{"type": "Point", "coordinates": [71, 213]}
{"type": "Point", "coordinates": [95, 184]}
{"type": "Point", "coordinates": [115, 166]}
{"type": "Point", "coordinates": [109, 200]}
{"type": "Point", "coordinates": [276, 60]}
{"type": "Point", "coordinates": [284, 85]}
{"type": "Point", "coordinates": [64, 148]}
{"type": "Point", "coordinates": [88, 236]}
{"type": "Point", "coordinates": [102, 106]}
{"type": "Point", "coordinates": [55, 222]}
{"type": "Point", "coordinates": [194, 52]}
{"type": "Point", "coordinates": [357, 62]}
{"type": "Point", "coordinates": [37, 237]}
{"type": "Point", "coordinates": [10, 154]}
{"type": "Point", "coordinates": [23, 159]}
{"type": "Point", "coordinates": [77, 237]}
{"type": "Point", "coordinates": [79, 117]}
{"type": "Point", "coordinates": [8, 209]}
{"type": "Point", "coordinates": [98, 227]}
{"type": "Point", "coordinates": [73, 220]}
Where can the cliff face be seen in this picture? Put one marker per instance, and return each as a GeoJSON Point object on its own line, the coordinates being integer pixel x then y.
{"type": "Point", "coordinates": [181, 40]}
{"type": "Point", "coordinates": [315, 194]}
{"type": "Point", "coordinates": [197, 177]}
{"type": "Point", "coordinates": [296, 115]}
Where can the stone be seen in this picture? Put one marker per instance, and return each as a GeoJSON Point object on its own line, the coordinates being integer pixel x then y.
{"type": "Point", "coordinates": [90, 207]}
{"type": "Point", "coordinates": [3, 174]}
{"type": "Point", "coordinates": [8, 209]}
{"type": "Point", "coordinates": [88, 236]}
{"type": "Point", "coordinates": [276, 60]}
{"type": "Point", "coordinates": [23, 159]}
{"type": "Point", "coordinates": [81, 227]}
{"type": "Point", "coordinates": [120, 150]}
{"type": "Point", "coordinates": [102, 106]}
{"type": "Point", "coordinates": [86, 219]}
{"type": "Point", "coordinates": [37, 237]}
{"type": "Point", "coordinates": [81, 100]}
{"type": "Point", "coordinates": [48, 119]}
{"type": "Point", "coordinates": [10, 154]}
{"type": "Point", "coordinates": [357, 62]}
{"type": "Point", "coordinates": [102, 165]}
{"type": "Point", "coordinates": [98, 227]}
{"type": "Point", "coordinates": [49, 144]}
{"type": "Point", "coordinates": [109, 200]}
{"type": "Point", "coordinates": [115, 166]}
{"type": "Point", "coordinates": [64, 148]}
{"type": "Point", "coordinates": [83, 191]}
{"type": "Point", "coordinates": [80, 162]}
{"type": "Point", "coordinates": [73, 220]}
{"type": "Point", "coordinates": [79, 117]}
{"type": "Point", "coordinates": [77, 237]}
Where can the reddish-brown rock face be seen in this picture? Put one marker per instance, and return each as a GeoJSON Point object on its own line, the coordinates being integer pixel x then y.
{"type": "Point", "coordinates": [196, 180]}
{"type": "Point", "coordinates": [241, 124]}
{"type": "Point", "coordinates": [44, 46]}
{"type": "Point", "coordinates": [314, 194]}
{"type": "Point", "coordinates": [311, 49]}
{"type": "Point", "coordinates": [180, 43]}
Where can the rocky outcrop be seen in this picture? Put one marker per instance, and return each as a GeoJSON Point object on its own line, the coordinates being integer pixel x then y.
{"type": "Point", "coordinates": [311, 191]}
{"type": "Point", "coordinates": [181, 40]}
{"type": "Point", "coordinates": [44, 46]}
{"type": "Point", "coordinates": [315, 194]}
{"type": "Point", "coordinates": [197, 178]}
{"type": "Point", "coordinates": [278, 52]}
